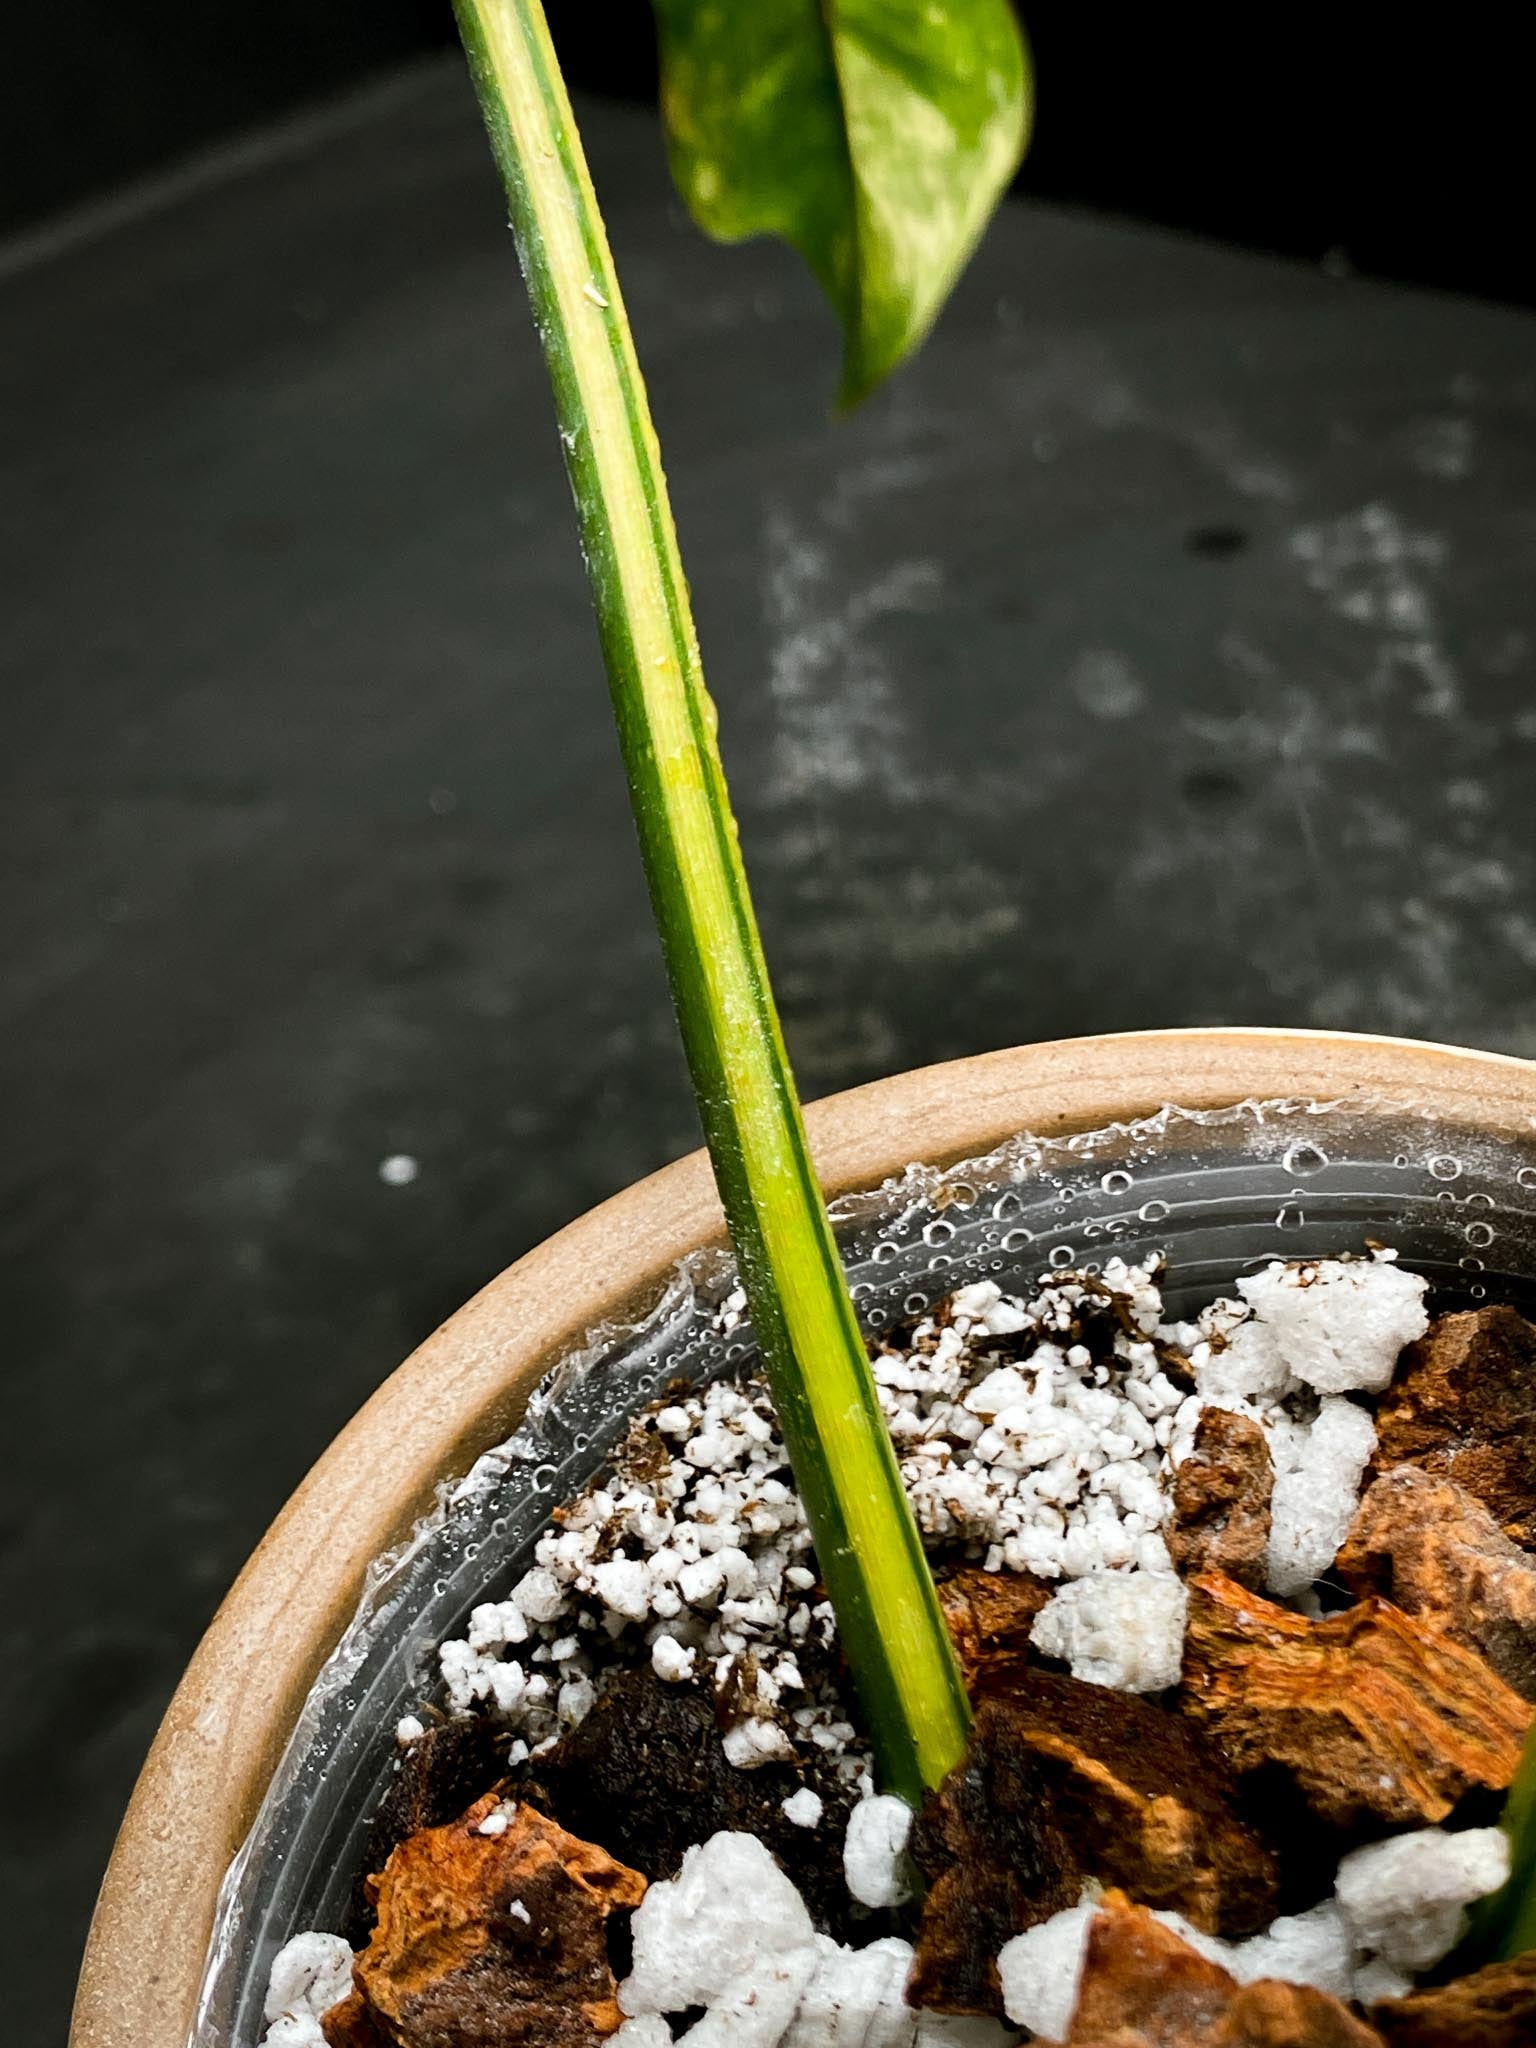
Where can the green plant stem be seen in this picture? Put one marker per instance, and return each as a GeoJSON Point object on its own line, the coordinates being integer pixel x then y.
{"type": "Point", "coordinates": [867, 1543]}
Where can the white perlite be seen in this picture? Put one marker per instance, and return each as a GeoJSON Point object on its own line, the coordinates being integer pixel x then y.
{"type": "Point", "coordinates": [1338, 1324]}
{"type": "Point", "coordinates": [874, 1847]}
{"type": "Point", "coordinates": [1325, 1327]}
{"type": "Point", "coordinates": [1124, 1629]}
{"type": "Point", "coordinates": [1405, 1899]}
{"type": "Point", "coordinates": [729, 1907]}
{"type": "Point", "coordinates": [704, 1560]}
{"type": "Point", "coordinates": [309, 1975]}
{"type": "Point", "coordinates": [1318, 1469]}
{"type": "Point", "coordinates": [804, 1808]}
{"type": "Point", "coordinates": [730, 1933]}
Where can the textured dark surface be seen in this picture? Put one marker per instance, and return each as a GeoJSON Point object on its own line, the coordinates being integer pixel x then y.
{"type": "Point", "coordinates": [1156, 651]}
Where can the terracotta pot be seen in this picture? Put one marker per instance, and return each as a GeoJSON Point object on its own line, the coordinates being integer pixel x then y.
{"type": "Point", "coordinates": [465, 1387]}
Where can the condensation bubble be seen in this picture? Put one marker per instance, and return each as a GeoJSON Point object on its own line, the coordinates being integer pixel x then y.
{"type": "Point", "coordinates": [1016, 1240]}
{"type": "Point", "coordinates": [1006, 1206]}
{"type": "Point", "coordinates": [915, 1303]}
{"type": "Point", "coordinates": [1401, 1159]}
{"type": "Point", "coordinates": [1477, 1290]}
{"type": "Point", "coordinates": [1527, 1176]}
{"type": "Point", "coordinates": [580, 1441]}
{"type": "Point", "coordinates": [1152, 1212]}
{"type": "Point", "coordinates": [861, 1290]}
{"type": "Point", "coordinates": [543, 1478]}
{"type": "Point", "coordinates": [938, 1232]}
{"type": "Point", "coordinates": [1115, 1182]}
{"type": "Point", "coordinates": [1290, 1216]}
{"type": "Point", "coordinates": [1062, 1255]}
{"type": "Point", "coordinates": [961, 1195]}
{"type": "Point", "coordinates": [1469, 1264]}
{"type": "Point", "coordinates": [883, 1252]}
{"type": "Point", "coordinates": [1302, 1159]}
{"type": "Point", "coordinates": [1479, 1234]}
{"type": "Point", "coordinates": [1443, 1166]}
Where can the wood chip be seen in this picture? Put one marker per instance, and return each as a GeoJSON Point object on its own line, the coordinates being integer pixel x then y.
{"type": "Point", "coordinates": [1493, 2008]}
{"type": "Point", "coordinates": [489, 1937]}
{"type": "Point", "coordinates": [1221, 1499]}
{"type": "Point", "coordinates": [1427, 1546]}
{"type": "Point", "coordinates": [1144, 1987]}
{"type": "Point", "coordinates": [1463, 1406]}
{"type": "Point", "coordinates": [1374, 1715]}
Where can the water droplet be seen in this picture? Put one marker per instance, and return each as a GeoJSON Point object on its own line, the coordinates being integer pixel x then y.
{"type": "Point", "coordinates": [1016, 1240]}
{"type": "Point", "coordinates": [1115, 1182]}
{"type": "Point", "coordinates": [1477, 1290]}
{"type": "Point", "coordinates": [543, 1478]}
{"type": "Point", "coordinates": [1480, 1234]}
{"type": "Point", "coordinates": [1152, 1212]}
{"type": "Point", "coordinates": [1527, 1176]}
{"type": "Point", "coordinates": [915, 1303]}
{"type": "Point", "coordinates": [883, 1252]}
{"type": "Point", "coordinates": [1290, 1216]}
{"type": "Point", "coordinates": [580, 1440]}
{"type": "Point", "coordinates": [1062, 1255]}
{"type": "Point", "coordinates": [1443, 1166]}
{"type": "Point", "coordinates": [1478, 1200]}
{"type": "Point", "coordinates": [1304, 1159]}
{"type": "Point", "coordinates": [938, 1232]}
{"type": "Point", "coordinates": [1006, 1206]}
{"type": "Point", "coordinates": [1470, 1264]}
{"type": "Point", "coordinates": [861, 1290]}
{"type": "Point", "coordinates": [1401, 1159]}
{"type": "Point", "coordinates": [961, 1195]}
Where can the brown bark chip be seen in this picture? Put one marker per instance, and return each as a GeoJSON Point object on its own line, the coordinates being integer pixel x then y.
{"type": "Point", "coordinates": [1370, 1712]}
{"type": "Point", "coordinates": [489, 1939]}
{"type": "Point", "coordinates": [1144, 1987]}
{"type": "Point", "coordinates": [1493, 2008]}
{"type": "Point", "coordinates": [1431, 1549]}
{"type": "Point", "coordinates": [1146, 1801]}
{"type": "Point", "coordinates": [1463, 1407]}
{"type": "Point", "coordinates": [438, 1776]}
{"type": "Point", "coordinates": [1221, 1499]}
{"type": "Point", "coordinates": [1065, 1781]}
{"type": "Point", "coordinates": [995, 1861]}
{"type": "Point", "coordinates": [989, 1616]}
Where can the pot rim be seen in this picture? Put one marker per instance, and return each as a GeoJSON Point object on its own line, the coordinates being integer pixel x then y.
{"type": "Point", "coordinates": [466, 1385]}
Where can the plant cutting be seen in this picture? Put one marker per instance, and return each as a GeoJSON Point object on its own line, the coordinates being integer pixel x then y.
{"type": "Point", "coordinates": [740, 1615]}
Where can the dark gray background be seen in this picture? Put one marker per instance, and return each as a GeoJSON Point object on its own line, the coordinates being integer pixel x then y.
{"type": "Point", "coordinates": [1156, 650]}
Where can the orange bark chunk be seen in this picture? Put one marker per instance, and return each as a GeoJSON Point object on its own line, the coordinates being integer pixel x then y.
{"type": "Point", "coordinates": [1493, 2008]}
{"type": "Point", "coordinates": [1463, 1406]}
{"type": "Point", "coordinates": [1371, 1713]}
{"type": "Point", "coordinates": [1221, 1499]}
{"type": "Point", "coordinates": [1431, 1549]}
{"type": "Point", "coordinates": [1144, 1987]}
{"type": "Point", "coordinates": [487, 1938]}
{"type": "Point", "coordinates": [989, 1616]}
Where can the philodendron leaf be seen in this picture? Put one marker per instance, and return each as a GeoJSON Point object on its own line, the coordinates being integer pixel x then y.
{"type": "Point", "coordinates": [876, 136]}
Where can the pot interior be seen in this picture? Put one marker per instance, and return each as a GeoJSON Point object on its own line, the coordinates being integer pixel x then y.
{"type": "Point", "coordinates": [1219, 1191]}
